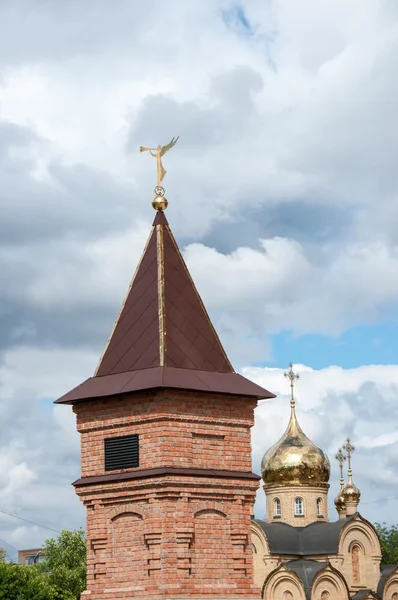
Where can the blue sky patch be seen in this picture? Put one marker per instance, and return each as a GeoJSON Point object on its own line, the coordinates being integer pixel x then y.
{"type": "Point", "coordinates": [236, 19]}
{"type": "Point", "coordinates": [365, 345]}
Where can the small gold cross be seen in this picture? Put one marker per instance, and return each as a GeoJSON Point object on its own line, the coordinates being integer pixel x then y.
{"type": "Point", "coordinates": [290, 374]}
{"type": "Point", "coordinates": [349, 448]}
{"type": "Point", "coordinates": [341, 458]}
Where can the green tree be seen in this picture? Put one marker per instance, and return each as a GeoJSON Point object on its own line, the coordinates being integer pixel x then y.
{"type": "Point", "coordinates": [62, 576]}
{"type": "Point", "coordinates": [389, 543]}
{"type": "Point", "coordinates": [18, 582]}
{"type": "Point", "coordinates": [65, 564]}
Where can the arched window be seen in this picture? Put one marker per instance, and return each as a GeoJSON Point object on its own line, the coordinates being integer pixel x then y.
{"type": "Point", "coordinates": [319, 507]}
{"type": "Point", "coordinates": [299, 507]}
{"type": "Point", "coordinates": [288, 596]}
{"type": "Point", "coordinates": [355, 556]}
{"type": "Point", "coordinates": [325, 596]}
{"type": "Point", "coordinates": [394, 596]}
{"type": "Point", "coordinates": [277, 506]}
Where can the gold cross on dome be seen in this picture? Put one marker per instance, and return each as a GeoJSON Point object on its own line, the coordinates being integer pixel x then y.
{"type": "Point", "coordinates": [290, 374]}
{"type": "Point", "coordinates": [349, 448]}
{"type": "Point", "coordinates": [341, 458]}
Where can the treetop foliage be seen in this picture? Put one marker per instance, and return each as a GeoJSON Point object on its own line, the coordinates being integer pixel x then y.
{"type": "Point", "coordinates": [62, 576]}
{"type": "Point", "coordinates": [389, 543]}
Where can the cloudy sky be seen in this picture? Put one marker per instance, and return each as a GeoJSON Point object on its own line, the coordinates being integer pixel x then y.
{"type": "Point", "coordinates": [283, 194]}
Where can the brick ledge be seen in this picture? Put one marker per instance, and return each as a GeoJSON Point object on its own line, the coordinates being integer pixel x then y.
{"type": "Point", "coordinates": [162, 471]}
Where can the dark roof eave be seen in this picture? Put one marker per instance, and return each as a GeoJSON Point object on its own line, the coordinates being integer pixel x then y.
{"type": "Point", "coordinates": [165, 471]}
{"type": "Point", "coordinates": [164, 378]}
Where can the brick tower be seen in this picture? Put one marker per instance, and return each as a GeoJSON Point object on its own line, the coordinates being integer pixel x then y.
{"type": "Point", "coordinates": [165, 446]}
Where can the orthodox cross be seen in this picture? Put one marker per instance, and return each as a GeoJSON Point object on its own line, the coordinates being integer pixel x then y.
{"type": "Point", "coordinates": [341, 458]}
{"type": "Point", "coordinates": [158, 153]}
{"type": "Point", "coordinates": [349, 448]}
{"type": "Point", "coordinates": [290, 374]}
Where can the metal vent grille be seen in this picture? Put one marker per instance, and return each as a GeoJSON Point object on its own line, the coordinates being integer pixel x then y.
{"type": "Point", "coordinates": [121, 452]}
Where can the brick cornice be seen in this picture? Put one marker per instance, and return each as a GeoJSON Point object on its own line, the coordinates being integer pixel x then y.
{"type": "Point", "coordinates": [165, 471]}
{"type": "Point", "coordinates": [167, 417]}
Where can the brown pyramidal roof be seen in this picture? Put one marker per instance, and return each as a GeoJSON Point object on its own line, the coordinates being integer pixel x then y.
{"type": "Point", "coordinates": [163, 321]}
{"type": "Point", "coordinates": [163, 336]}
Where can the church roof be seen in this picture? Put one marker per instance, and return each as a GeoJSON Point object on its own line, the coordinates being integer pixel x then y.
{"type": "Point", "coordinates": [163, 321]}
{"type": "Point", "coordinates": [365, 594]}
{"type": "Point", "coordinates": [386, 571]}
{"type": "Point", "coordinates": [306, 570]}
{"type": "Point", "coordinates": [163, 336]}
{"type": "Point", "coordinates": [314, 539]}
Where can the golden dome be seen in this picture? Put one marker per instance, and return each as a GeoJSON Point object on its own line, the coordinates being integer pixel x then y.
{"type": "Point", "coordinates": [351, 493]}
{"type": "Point", "coordinates": [294, 459]}
{"type": "Point", "coordinates": [339, 503]}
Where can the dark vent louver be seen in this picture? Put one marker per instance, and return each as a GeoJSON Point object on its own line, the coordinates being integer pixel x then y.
{"type": "Point", "coordinates": [121, 452]}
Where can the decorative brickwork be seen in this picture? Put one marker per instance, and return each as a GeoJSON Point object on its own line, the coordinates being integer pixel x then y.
{"type": "Point", "coordinates": [171, 535]}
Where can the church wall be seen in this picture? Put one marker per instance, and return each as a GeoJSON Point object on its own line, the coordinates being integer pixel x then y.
{"type": "Point", "coordinates": [328, 585]}
{"type": "Point", "coordinates": [283, 585]}
{"type": "Point", "coordinates": [287, 496]}
{"type": "Point", "coordinates": [391, 588]}
{"type": "Point", "coordinates": [264, 563]}
{"type": "Point", "coordinates": [360, 554]}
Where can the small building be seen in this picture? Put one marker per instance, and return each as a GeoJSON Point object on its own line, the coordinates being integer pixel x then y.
{"type": "Point", "coordinates": [30, 557]}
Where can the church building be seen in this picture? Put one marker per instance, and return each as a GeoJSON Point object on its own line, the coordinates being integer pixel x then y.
{"type": "Point", "coordinates": [166, 465]}
{"type": "Point", "coordinates": [298, 553]}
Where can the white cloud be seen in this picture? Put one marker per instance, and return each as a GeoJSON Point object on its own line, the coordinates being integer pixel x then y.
{"type": "Point", "coordinates": [283, 286]}
{"type": "Point", "coordinates": [319, 126]}
{"type": "Point", "coordinates": [298, 108]}
{"type": "Point", "coordinates": [39, 445]}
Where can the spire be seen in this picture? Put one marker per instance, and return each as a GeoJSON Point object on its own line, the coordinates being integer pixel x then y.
{"type": "Point", "coordinates": [339, 500]}
{"type": "Point", "coordinates": [163, 322]}
{"type": "Point", "coordinates": [163, 336]}
{"type": "Point", "coordinates": [351, 493]}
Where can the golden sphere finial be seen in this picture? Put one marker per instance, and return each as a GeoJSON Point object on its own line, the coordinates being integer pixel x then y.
{"type": "Point", "coordinates": [160, 201]}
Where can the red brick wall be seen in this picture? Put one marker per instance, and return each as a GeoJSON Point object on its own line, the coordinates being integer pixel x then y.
{"type": "Point", "coordinates": [175, 429]}
{"type": "Point", "coordinates": [170, 536]}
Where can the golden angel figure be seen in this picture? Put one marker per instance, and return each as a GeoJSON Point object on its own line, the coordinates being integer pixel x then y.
{"type": "Point", "coordinates": [158, 153]}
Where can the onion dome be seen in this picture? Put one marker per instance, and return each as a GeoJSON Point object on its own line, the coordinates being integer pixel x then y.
{"type": "Point", "coordinates": [351, 493]}
{"type": "Point", "coordinates": [294, 459]}
{"type": "Point", "coordinates": [339, 503]}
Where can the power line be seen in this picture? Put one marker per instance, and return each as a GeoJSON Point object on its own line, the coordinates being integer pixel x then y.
{"type": "Point", "coordinates": [28, 521]}
{"type": "Point", "coordinates": [383, 500]}
{"type": "Point", "coordinates": [9, 545]}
